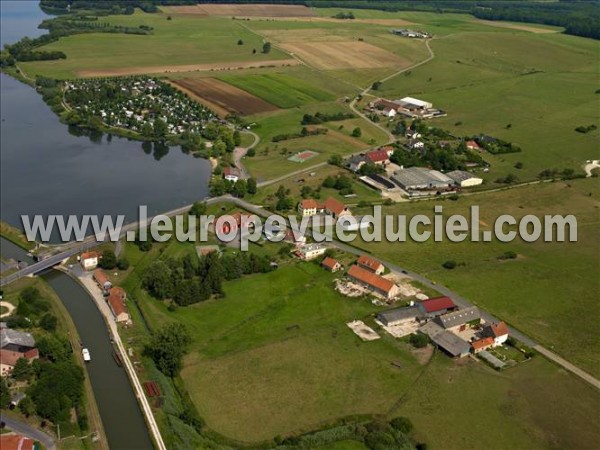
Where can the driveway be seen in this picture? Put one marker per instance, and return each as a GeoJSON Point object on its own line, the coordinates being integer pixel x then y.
{"type": "Point", "coordinates": [27, 430]}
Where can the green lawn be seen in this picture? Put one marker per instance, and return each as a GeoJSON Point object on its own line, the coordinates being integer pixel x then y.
{"type": "Point", "coordinates": [548, 292]}
{"type": "Point", "coordinates": [183, 40]}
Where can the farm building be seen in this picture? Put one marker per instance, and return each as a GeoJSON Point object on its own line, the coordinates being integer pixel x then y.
{"type": "Point", "coordinates": [231, 174]}
{"type": "Point", "coordinates": [331, 264]}
{"type": "Point", "coordinates": [389, 112]}
{"type": "Point", "coordinates": [399, 316]}
{"type": "Point", "coordinates": [311, 251]}
{"type": "Point", "coordinates": [498, 332]}
{"type": "Point", "coordinates": [13, 346]}
{"type": "Point", "coordinates": [370, 264]}
{"type": "Point", "coordinates": [373, 282]}
{"type": "Point", "coordinates": [457, 320]}
{"type": "Point", "coordinates": [89, 260]}
{"type": "Point", "coordinates": [116, 302]}
{"type": "Point", "coordinates": [464, 178]}
{"type": "Point", "coordinates": [412, 104]}
{"type": "Point", "coordinates": [437, 306]}
{"type": "Point", "coordinates": [445, 340]}
{"type": "Point", "coordinates": [420, 178]}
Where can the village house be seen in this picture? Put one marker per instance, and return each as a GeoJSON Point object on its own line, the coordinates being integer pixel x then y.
{"type": "Point", "coordinates": [308, 207]}
{"type": "Point", "coordinates": [355, 162]}
{"type": "Point", "coordinates": [291, 238]}
{"type": "Point", "coordinates": [380, 157]}
{"type": "Point", "coordinates": [331, 264]}
{"type": "Point", "coordinates": [14, 441]}
{"type": "Point", "coordinates": [331, 207]}
{"type": "Point", "coordinates": [472, 145]}
{"type": "Point", "coordinates": [370, 264]}
{"type": "Point", "coordinates": [116, 302]}
{"type": "Point", "coordinates": [89, 260]}
{"type": "Point", "coordinates": [102, 280]}
{"type": "Point", "coordinates": [498, 332]}
{"type": "Point", "coordinates": [311, 251]}
{"type": "Point", "coordinates": [231, 174]}
{"type": "Point", "coordinates": [415, 144]}
{"type": "Point", "coordinates": [437, 306]}
{"type": "Point", "coordinates": [482, 344]}
{"type": "Point", "coordinates": [389, 112]}
{"type": "Point", "coordinates": [375, 283]}
{"type": "Point", "coordinates": [13, 346]}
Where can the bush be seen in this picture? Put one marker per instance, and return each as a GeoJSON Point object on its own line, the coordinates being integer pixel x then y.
{"type": "Point", "coordinates": [449, 265]}
{"type": "Point", "coordinates": [402, 424]}
{"type": "Point", "coordinates": [418, 340]}
{"type": "Point", "coordinates": [123, 264]}
{"type": "Point", "coordinates": [509, 255]}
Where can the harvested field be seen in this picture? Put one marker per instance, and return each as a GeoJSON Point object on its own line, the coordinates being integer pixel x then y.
{"type": "Point", "coordinates": [185, 68]}
{"type": "Point", "coordinates": [344, 55]}
{"type": "Point", "coordinates": [242, 10]}
{"type": "Point", "coordinates": [223, 97]}
{"type": "Point", "coordinates": [387, 22]}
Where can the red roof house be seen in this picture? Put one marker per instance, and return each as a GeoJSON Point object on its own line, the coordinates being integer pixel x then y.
{"type": "Point", "coordinates": [116, 302]}
{"type": "Point", "coordinates": [371, 264]}
{"type": "Point", "coordinates": [15, 442]}
{"type": "Point", "coordinates": [380, 156]}
{"type": "Point", "coordinates": [482, 344]}
{"type": "Point", "coordinates": [331, 264]}
{"type": "Point", "coordinates": [472, 145]}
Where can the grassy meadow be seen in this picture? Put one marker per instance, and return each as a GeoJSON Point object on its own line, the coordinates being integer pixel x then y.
{"type": "Point", "coordinates": [180, 41]}
{"type": "Point", "coordinates": [549, 292]}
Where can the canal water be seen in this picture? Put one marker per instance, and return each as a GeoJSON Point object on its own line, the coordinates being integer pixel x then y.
{"type": "Point", "coordinates": [122, 418]}
{"type": "Point", "coordinates": [45, 168]}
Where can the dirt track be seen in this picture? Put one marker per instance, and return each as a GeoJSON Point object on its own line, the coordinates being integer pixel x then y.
{"type": "Point", "coordinates": [88, 73]}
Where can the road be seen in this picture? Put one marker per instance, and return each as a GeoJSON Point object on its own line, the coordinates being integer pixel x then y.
{"type": "Point", "coordinates": [259, 211]}
{"type": "Point", "coordinates": [366, 90]}
{"type": "Point", "coordinates": [240, 152]}
{"type": "Point", "coordinates": [27, 430]}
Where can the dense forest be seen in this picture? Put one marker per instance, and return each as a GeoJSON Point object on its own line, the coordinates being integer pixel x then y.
{"type": "Point", "coordinates": [580, 18]}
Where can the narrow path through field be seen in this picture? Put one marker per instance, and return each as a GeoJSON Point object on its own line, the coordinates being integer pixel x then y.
{"type": "Point", "coordinates": [240, 152]}
{"type": "Point", "coordinates": [366, 90]}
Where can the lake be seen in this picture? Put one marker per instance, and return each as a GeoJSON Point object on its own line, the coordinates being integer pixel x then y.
{"type": "Point", "coordinates": [45, 169]}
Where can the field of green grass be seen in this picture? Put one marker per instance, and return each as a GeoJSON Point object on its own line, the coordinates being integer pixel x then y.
{"type": "Point", "coordinates": [275, 357]}
{"type": "Point", "coordinates": [549, 292]}
{"type": "Point", "coordinates": [279, 89]}
{"type": "Point", "coordinates": [180, 41]}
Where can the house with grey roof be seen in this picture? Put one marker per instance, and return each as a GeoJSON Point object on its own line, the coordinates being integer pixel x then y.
{"type": "Point", "coordinates": [15, 345]}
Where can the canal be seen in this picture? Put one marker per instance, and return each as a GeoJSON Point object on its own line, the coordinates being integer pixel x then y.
{"type": "Point", "coordinates": [121, 415]}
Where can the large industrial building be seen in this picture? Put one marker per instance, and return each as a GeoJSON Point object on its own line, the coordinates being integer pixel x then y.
{"type": "Point", "coordinates": [420, 178]}
{"type": "Point", "coordinates": [464, 179]}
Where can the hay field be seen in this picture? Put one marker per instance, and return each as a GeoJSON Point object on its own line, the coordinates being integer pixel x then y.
{"type": "Point", "coordinates": [344, 55]}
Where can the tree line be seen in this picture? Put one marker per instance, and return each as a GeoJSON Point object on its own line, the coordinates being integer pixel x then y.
{"type": "Point", "coordinates": [190, 279]}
